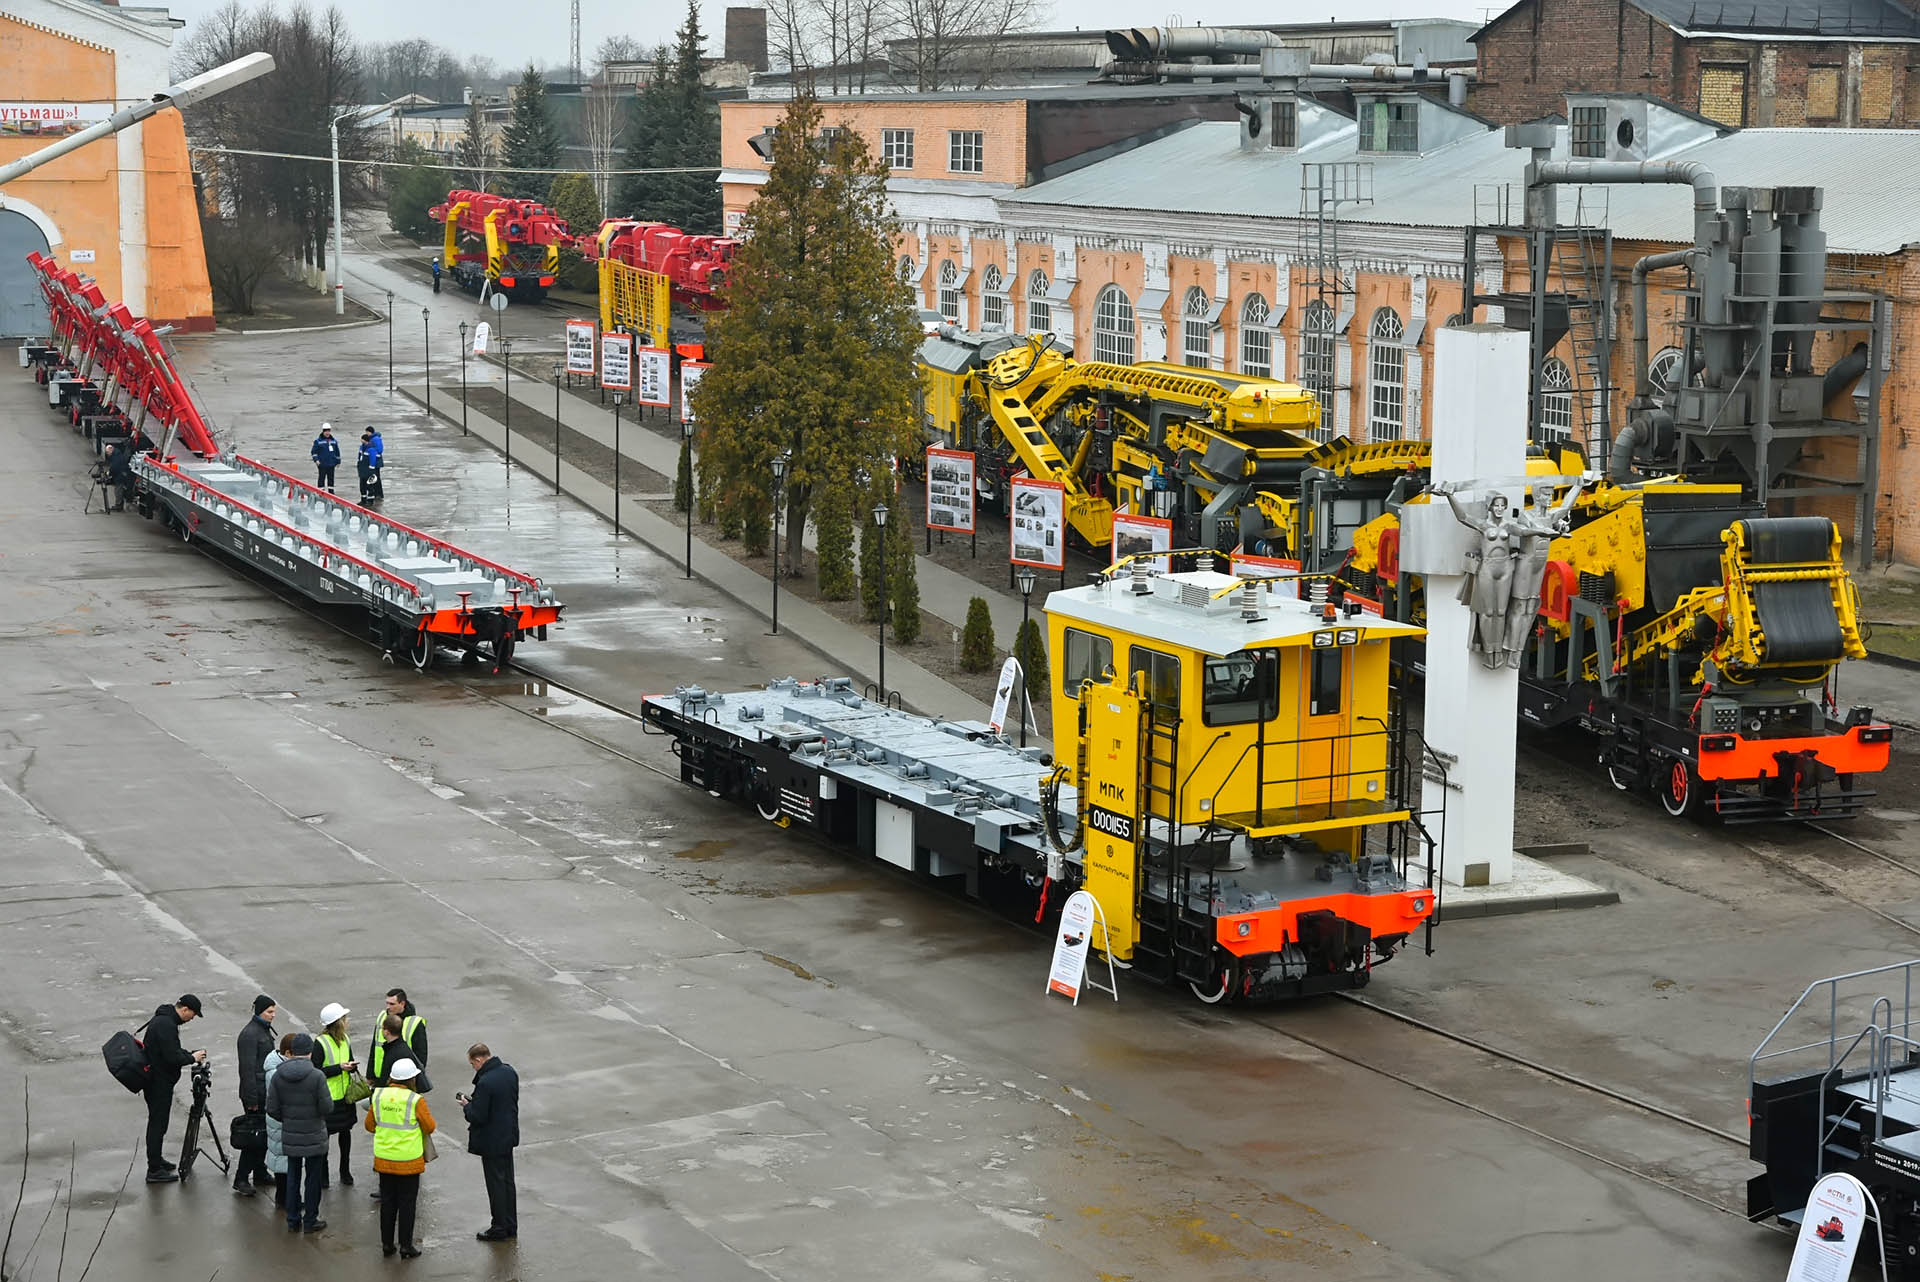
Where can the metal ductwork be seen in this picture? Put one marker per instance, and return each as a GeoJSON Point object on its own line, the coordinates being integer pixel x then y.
{"type": "Point", "coordinates": [1151, 44]}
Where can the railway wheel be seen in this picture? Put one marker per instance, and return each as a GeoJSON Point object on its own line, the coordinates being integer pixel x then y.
{"type": "Point", "coordinates": [421, 651]}
{"type": "Point", "coordinates": [1680, 788]}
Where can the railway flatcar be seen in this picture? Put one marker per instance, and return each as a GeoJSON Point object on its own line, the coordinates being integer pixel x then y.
{"type": "Point", "coordinates": [1232, 786]}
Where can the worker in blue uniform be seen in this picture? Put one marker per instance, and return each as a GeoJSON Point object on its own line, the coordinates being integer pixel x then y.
{"type": "Point", "coordinates": [372, 455]}
{"type": "Point", "coordinates": [436, 274]}
{"type": "Point", "coordinates": [326, 457]}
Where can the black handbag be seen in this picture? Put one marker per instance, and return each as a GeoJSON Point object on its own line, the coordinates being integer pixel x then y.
{"type": "Point", "coordinates": [248, 1132]}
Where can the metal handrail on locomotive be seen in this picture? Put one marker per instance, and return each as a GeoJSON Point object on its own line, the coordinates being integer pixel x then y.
{"type": "Point", "coordinates": [1232, 785]}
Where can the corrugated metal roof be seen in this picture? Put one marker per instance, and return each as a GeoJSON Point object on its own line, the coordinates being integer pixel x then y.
{"type": "Point", "coordinates": [1871, 178]}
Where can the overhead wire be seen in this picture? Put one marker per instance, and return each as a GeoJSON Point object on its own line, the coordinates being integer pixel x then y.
{"type": "Point", "coordinates": [456, 169]}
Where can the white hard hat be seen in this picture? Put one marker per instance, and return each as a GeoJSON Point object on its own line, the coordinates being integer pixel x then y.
{"type": "Point", "coordinates": [404, 1071]}
{"type": "Point", "coordinates": [332, 1011]}
{"type": "Point", "coordinates": [326, 427]}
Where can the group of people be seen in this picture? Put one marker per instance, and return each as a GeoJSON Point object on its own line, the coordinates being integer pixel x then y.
{"type": "Point", "coordinates": [373, 457]}
{"type": "Point", "coordinates": [300, 1094]}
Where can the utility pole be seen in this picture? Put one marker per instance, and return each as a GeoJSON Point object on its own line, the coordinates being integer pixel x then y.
{"type": "Point", "coordinates": [576, 42]}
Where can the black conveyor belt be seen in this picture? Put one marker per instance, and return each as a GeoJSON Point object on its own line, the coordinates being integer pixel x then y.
{"type": "Point", "coordinates": [1797, 620]}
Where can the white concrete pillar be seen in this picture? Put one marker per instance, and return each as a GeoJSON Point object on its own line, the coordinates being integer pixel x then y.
{"type": "Point", "coordinates": [1479, 434]}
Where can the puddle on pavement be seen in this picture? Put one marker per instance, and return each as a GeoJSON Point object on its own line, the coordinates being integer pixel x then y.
{"type": "Point", "coordinates": [704, 851]}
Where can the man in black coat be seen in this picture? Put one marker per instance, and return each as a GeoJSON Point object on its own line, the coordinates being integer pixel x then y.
{"type": "Point", "coordinates": [493, 1122]}
{"type": "Point", "coordinates": [165, 1059]}
{"type": "Point", "coordinates": [250, 1063]}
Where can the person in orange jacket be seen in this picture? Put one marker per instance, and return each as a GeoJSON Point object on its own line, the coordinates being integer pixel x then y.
{"type": "Point", "coordinates": [400, 1121]}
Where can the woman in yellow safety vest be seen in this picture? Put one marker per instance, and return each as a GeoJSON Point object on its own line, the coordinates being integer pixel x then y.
{"type": "Point", "coordinates": [331, 1055]}
{"type": "Point", "coordinates": [400, 1121]}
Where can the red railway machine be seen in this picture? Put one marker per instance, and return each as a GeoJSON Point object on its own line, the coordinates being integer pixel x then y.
{"type": "Point", "coordinates": [501, 243]}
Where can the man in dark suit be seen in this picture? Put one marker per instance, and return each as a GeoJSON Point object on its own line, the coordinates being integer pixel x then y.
{"type": "Point", "coordinates": [493, 1122]}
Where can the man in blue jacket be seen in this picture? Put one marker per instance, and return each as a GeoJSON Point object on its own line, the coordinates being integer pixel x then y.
{"type": "Point", "coordinates": [493, 1132]}
{"type": "Point", "coordinates": [326, 456]}
{"type": "Point", "coordinates": [372, 454]}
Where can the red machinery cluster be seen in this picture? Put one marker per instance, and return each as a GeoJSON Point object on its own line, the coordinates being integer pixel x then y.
{"type": "Point", "coordinates": [696, 266]}
{"type": "Point", "coordinates": [117, 371]}
{"type": "Point", "coordinates": [514, 244]}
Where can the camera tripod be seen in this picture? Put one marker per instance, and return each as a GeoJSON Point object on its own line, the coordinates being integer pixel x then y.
{"type": "Point", "coordinates": [190, 1149]}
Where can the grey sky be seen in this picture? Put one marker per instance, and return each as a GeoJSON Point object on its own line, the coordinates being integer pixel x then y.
{"type": "Point", "coordinates": [515, 31]}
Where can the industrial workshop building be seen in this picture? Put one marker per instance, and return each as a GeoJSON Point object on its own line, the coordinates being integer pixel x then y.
{"type": "Point", "coordinates": [122, 209]}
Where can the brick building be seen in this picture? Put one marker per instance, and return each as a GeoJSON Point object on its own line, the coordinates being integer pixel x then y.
{"type": "Point", "coordinates": [1793, 62]}
{"type": "Point", "coordinates": [120, 209]}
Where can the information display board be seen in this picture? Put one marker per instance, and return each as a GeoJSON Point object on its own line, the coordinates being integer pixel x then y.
{"type": "Point", "coordinates": [950, 490]}
{"type": "Point", "coordinates": [580, 336]}
{"type": "Point", "coordinates": [656, 377]}
{"type": "Point", "coordinates": [1136, 535]}
{"type": "Point", "coordinates": [1038, 523]}
{"type": "Point", "coordinates": [691, 373]}
{"type": "Point", "coordinates": [616, 362]}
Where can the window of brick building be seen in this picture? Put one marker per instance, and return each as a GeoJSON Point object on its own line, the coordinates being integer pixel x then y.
{"type": "Point", "coordinates": [1723, 95]}
{"type": "Point", "coordinates": [1039, 310]}
{"type": "Point", "coordinates": [1113, 327]}
{"type": "Point", "coordinates": [950, 290]}
{"type": "Point", "coordinates": [1316, 359]}
{"type": "Point", "coordinates": [896, 148]}
{"type": "Point", "coordinates": [1823, 93]}
{"type": "Point", "coordinates": [966, 151]}
{"type": "Point", "coordinates": [1196, 331]}
{"type": "Point", "coordinates": [1876, 91]}
{"type": "Point", "coordinates": [1386, 377]}
{"type": "Point", "coordinates": [1590, 131]}
{"type": "Point", "coordinates": [1556, 402]}
{"type": "Point", "coordinates": [993, 299]}
{"type": "Point", "coordinates": [1256, 344]}
{"type": "Point", "coordinates": [1390, 126]}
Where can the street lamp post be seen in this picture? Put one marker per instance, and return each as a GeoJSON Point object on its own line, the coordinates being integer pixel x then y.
{"type": "Point", "coordinates": [339, 281]}
{"type": "Point", "coordinates": [686, 454]}
{"type": "Point", "coordinates": [558, 370]}
{"type": "Point", "coordinates": [617, 398]}
{"type": "Point", "coordinates": [1025, 579]}
{"type": "Point", "coordinates": [779, 476]}
{"type": "Point", "coordinates": [463, 378]}
{"type": "Point", "coordinates": [506, 422]}
{"type": "Point", "coordinates": [389, 340]}
{"type": "Point", "coordinates": [880, 523]}
{"type": "Point", "coordinates": [426, 350]}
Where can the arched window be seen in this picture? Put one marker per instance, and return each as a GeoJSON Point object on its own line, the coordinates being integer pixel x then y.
{"type": "Point", "coordinates": [1039, 310]}
{"type": "Point", "coordinates": [950, 291]}
{"type": "Point", "coordinates": [1113, 327]}
{"type": "Point", "coordinates": [906, 267]}
{"type": "Point", "coordinates": [1386, 377]}
{"type": "Point", "coordinates": [1663, 371]}
{"type": "Point", "coordinates": [1195, 330]}
{"type": "Point", "coordinates": [1316, 359]}
{"type": "Point", "coordinates": [1256, 344]}
{"type": "Point", "coordinates": [1556, 401]}
{"type": "Point", "coordinates": [993, 299]}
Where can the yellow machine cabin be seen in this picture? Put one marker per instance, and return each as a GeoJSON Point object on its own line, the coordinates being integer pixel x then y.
{"type": "Point", "coordinates": [1247, 819]}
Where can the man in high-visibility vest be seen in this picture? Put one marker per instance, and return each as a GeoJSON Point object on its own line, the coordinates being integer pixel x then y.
{"type": "Point", "coordinates": [400, 1121]}
{"type": "Point", "coordinates": [413, 1041]}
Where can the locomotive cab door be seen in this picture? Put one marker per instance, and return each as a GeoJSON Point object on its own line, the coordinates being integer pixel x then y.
{"type": "Point", "coordinates": [1324, 678]}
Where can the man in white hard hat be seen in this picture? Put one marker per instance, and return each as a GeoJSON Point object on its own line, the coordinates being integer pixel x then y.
{"type": "Point", "coordinates": [326, 457]}
{"type": "Point", "coordinates": [400, 1122]}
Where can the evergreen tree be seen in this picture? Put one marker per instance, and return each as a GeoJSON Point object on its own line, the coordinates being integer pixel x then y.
{"type": "Point", "coordinates": [814, 353]}
{"type": "Point", "coordinates": [410, 192]}
{"type": "Point", "coordinates": [573, 198]}
{"type": "Point", "coordinates": [872, 591]}
{"type": "Point", "coordinates": [903, 573]}
{"type": "Point", "coordinates": [977, 649]}
{"type": "Point", "coordinates": [475, 154]}
{"type": "Point", "coordinates": [531, 141]}
{"type": "Point", "coordinates": [682, 485]}
{"type": "Point", "coordinates": [675, 125]}
{"type": "Point", "coordinates": [1030, 648]}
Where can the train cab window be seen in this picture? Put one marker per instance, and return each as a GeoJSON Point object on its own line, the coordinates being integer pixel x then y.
{"type": "Point", "coordinates": [1324, 692]}
{"type": "Point", "coordinates": [1088, 657]}
{"type": "Point", "coordinates": [1159, 683]}
{"type": "Point", "coordinates": [1238, 689]}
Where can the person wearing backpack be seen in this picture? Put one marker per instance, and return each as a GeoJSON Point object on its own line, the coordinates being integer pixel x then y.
{"type": "Point", "coordinates": [165, 1058]}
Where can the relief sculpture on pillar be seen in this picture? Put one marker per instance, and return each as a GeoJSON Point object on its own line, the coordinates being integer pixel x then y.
{"type": "Point", "coordinates": [1503, 572]}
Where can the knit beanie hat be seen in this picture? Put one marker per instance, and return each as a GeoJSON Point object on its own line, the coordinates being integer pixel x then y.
{"type": "Point", "coordinates": [261, 1002]}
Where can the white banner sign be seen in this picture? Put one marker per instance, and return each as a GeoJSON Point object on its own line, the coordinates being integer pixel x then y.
{"type": "Point", "coordinates": [481, 333]}
{"type": "Point", "coordinates": [1003, 693]}
{"type": "Point", "coordinates": [656, 373]}
{"type": "Point", "coordinates": [1038, 523]}
{"type": "Point", "coordinates": [50, 119]}
{"type": "Point", "coordinates": [690, 374]}
{"type": "Point", "coordinates": [1830, 1233]}
{"type": "Point", "coordinates": [616, 362]}
{"type": "Point", "coordinates": [950, 490]}
{"type": "Point", "coordinates": [1134, 535]}
{"type": "Point", "coordinates": [1069, 970]}
{"type": "Point", "coordinates": [580, 336]}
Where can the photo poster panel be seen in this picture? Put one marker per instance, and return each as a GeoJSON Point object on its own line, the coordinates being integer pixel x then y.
{"type": "Point", "coordinates": [616, 362]}
{"type": "Point", "coordinates": [950, 490]}
{"type": "Point", "coordinates": [1038, 523]}
{"type": "Point", "coordinates": [656, 377]}
{"type": "Point", "coordinates": [690, 374]}
{"type": "Point", "coordinates": [580, 336]}
{"type": "Point", "coordinates": [1133, 535]}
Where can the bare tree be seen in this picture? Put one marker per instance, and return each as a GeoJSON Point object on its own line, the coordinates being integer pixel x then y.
{"type": "Point", "coordinates": [617, 49]}
{"type": "Point", "coordinates": [240, 252]}
{"type": "Point", "coordinates": [603, 117]}
{"type": "Point", "coordinates": [956, 44]}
